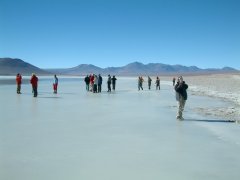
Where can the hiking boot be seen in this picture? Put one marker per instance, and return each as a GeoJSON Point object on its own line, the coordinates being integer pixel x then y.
{"type": "Point", "coordinates": [180, 118]}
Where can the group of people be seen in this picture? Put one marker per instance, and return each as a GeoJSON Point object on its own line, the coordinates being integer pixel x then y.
{"type": "Point", "coordinates": [34, 83]}
{"type": "Point", "coordinates": [180, 89]}
{"type": "Point", "coordinates": [94, 83]}
{"type": "Point", "coordinates": [141, 80]}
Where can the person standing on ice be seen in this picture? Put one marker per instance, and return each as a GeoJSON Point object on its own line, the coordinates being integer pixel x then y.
{"type": "Point", "coordinates": [114, 82]}
{"type": "Point", "coordinates": [91, 82]}
{"type": "Point", "coordinates": [34, 82]}
{"type": "Point", "coordinates": [87, 81]}
{"type": "Point", "coordinates": [55, 84]}
{"type": "Point", "coordinates": [157, 83]}
{"type": "Point", "coordinates": [174, 79]}
{"type": "Point", "coordinates": [100, 83]}
{"type": "Point", "coordinates": [149, 82]}
{"type": "Point", "coordinates": [109, 83]}
{"type": "Point", "coordinates": [181, 96]}
{"type": "Point", "coordinates": [140, 83]}
{"type": "Point", "coordinates": [95, 83]}
{"type": "Point", "coordinates": [19, 82]}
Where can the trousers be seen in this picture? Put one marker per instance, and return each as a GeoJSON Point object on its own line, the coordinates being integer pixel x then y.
{"type": "Point", "coordinates": [181, 105]}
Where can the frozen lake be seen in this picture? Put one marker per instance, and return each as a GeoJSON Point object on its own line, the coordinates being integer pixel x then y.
{"type": "Point", "coordinates": [123, 135]}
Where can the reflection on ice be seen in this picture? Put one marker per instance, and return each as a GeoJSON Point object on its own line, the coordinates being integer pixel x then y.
{"type": "Point", "coordinates": [126, 134]}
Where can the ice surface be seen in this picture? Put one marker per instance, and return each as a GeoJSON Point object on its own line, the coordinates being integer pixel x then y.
{"type": "Point", "coordinates": [123, 135]}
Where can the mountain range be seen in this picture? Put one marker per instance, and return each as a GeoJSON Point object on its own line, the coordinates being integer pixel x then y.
{"type": "Point", "coordinates": [9, 66]}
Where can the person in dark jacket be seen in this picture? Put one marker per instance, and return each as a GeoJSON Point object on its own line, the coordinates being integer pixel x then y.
{"type": "Point", "coordinates": [140, 82]}
{"type": "Point", "coordinates": [181, 96]}
{"type": "Point", "coordinates": [114, 82]}
{"type": "Point", "coordinates": [87, 81]}
{"type": "Point", "coordinates": [109, 83]}
{"type": "Point", "coordinates": [157, 83]}
{"type": "Point", "coordinates": [19, 82]}
{"type": "Point", "coordinates": [100, 83]}
{"type": "Point", "coordinates": [149, 82]}
{"type": "Point", "coordinates": [34, 82]}
{"type": "Point", "coordinates": [174, 80]}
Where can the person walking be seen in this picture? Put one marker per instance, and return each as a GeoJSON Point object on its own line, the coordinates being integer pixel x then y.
{"type": "Point", "coordinates": [34, 82]}
{"type": "Point", "coordinates": [100, 83]}
{"type": "Point", "coordinates": [140, 83]}
{"type": "Point", "coordinates": [157, 83]}
{"type": "Point", "coordinates": [109, 83]}
{"type": "Point", "coordinates": [181, 96]}
{"type": "Point", "coordinates": [55, 84]}
{"type": "Point", "coordinates": [149, 82]}
{"type": "Point", "coordinates": [114, 82]}
{"type": "Point", "coordinates": [19, 83]}
{"type": "Point", "coordinates": [87, 82]}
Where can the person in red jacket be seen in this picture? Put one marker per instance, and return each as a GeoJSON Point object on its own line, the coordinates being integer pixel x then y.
{"type": "Point", "coordinates": [34, 82]}
{"type": "Point", "coordinates": [19, 82]}
{"type": "Point", "coordinates": [91, 82]}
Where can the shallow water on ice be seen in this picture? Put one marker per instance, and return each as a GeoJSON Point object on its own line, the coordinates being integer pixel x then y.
{"type": "Point", "coordinates": [127, 134]}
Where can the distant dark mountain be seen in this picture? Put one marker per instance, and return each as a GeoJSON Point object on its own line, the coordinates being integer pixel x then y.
{"type": "Point", "coordinates": [9, 66]}
{"type": "Point", "coordinates": [78, 70]}
{"type": "Point", "coordinates": [137, 68]}
{"type": "Point", "coordinates": [84, 68]}
{"type": "Point", "coordinates": [158, 68]}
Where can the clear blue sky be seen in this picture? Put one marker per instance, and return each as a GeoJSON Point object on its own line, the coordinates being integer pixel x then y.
{"type": "Point", "coordinates": [66, 33]}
